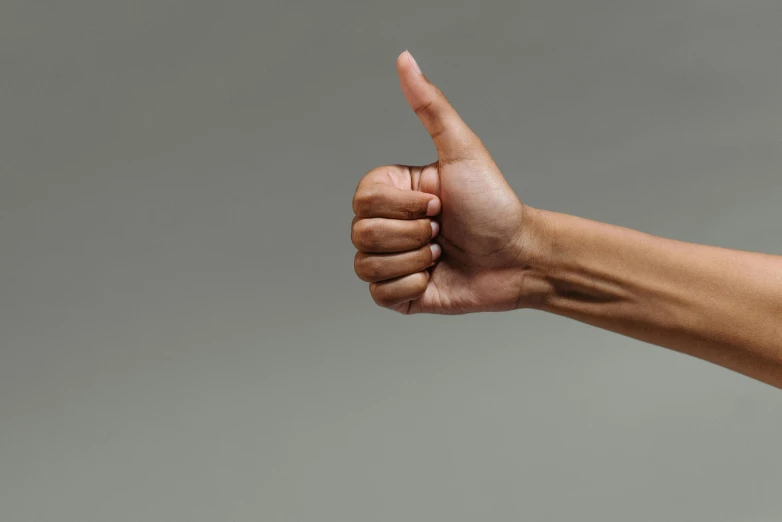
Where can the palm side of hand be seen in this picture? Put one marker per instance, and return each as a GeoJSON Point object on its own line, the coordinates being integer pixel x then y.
{"type": "Point", "coordinates": [479, 237]}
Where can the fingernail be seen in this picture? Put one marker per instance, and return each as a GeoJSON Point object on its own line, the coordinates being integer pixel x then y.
{"type": "Point", "coordinates": [433, 207]}
{"type": "Point", "coordinates": [413, 62]}
{"type": "Point", "coordinates": [436, 250]}
{"type": "Point", "coordinates": [435, 227]}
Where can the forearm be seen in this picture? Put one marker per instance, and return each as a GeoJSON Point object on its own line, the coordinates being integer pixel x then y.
{"type": "Point", "coordinates": [720, 305]}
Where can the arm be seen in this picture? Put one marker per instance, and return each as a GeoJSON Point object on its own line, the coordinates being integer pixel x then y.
{"type": "Point", "coordinates": [452, 238]}
{"type": "Point", "coordinates": [720, 305]}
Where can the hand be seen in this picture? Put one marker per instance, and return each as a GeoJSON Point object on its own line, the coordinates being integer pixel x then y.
{"type": "Point", "coordinates": [451, 237]}
{"type": "Point", "coordinates": [470, 259]}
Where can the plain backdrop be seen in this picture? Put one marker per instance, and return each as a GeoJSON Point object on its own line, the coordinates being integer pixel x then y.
{"type": "Point", "coordinates": [182, 337]}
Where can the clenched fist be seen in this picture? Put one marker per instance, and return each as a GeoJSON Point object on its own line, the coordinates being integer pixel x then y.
{"type": "Point", "coordinates": [444, 238]}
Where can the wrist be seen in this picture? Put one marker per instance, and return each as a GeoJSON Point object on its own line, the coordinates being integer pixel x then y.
{"type": "Point", "coordinates": [571, 262]}
{"type": "Point", "coordinates": [536, 244]}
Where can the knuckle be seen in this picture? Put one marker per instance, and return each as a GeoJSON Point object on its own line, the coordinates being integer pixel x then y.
{"type": "Point", "coordinates": [426, 108]}
{"type": "Point", "coordinates": [381, 295]}
{"type": "Point", "coordinates": [365, 235]}
{"type": "Point", "coordinates": [366, 268]}
{"type": "Point", "coordinates": [366, 200]}
{"type": "Point", "coordinates": [358, 236]}
{"type": "Point", "coordinates": [354, 236]}
{"type": "Point", "coordinates": [376, 292]}
{"type": "Point", "coordinates": [358, 264]}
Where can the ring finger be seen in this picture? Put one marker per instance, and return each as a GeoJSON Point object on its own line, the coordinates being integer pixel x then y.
{"type": "Point", "coordinates": [379, 267]}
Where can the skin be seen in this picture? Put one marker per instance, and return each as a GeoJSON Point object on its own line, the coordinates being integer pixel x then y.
{"type": "Point", "coordinates": [453, 238]}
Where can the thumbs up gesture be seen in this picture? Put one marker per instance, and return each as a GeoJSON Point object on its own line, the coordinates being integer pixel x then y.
{"type": "Point", "coordinates": [445, 238]}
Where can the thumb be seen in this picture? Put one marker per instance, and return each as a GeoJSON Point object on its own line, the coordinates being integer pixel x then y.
{"type": "Point", "coordinates": [452, 137]}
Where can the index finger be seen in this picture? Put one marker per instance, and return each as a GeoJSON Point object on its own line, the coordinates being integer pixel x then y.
{"type": "Point", "coordinates": [386, 201]}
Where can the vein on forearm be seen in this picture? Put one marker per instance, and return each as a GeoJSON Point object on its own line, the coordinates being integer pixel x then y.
{"type": "Point", "coordinates": [714, 303]}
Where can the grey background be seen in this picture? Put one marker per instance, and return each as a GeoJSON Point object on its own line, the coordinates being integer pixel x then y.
{"type": "Point", "coordinates": [181, 333]}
